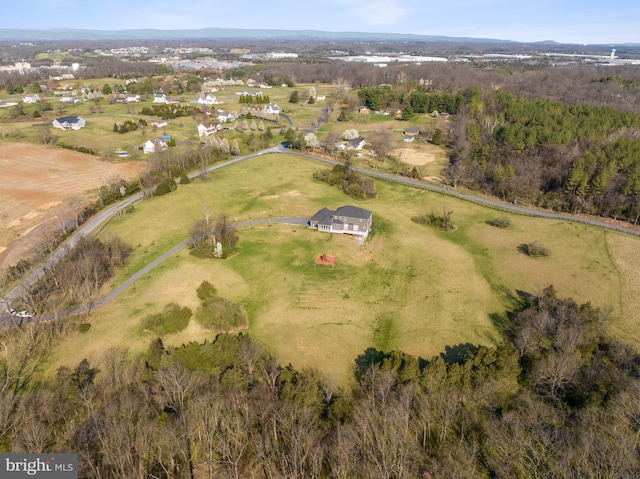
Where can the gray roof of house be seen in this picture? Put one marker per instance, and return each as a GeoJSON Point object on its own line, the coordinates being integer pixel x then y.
{"type": "Point", "coordinates": [68, 119]}
{"type": "Point", "coordinates": [353, 212]}
{"type": "Point", "coordinates": [323, 216]}
{"type": "Point", "coordinates": [326, 216]}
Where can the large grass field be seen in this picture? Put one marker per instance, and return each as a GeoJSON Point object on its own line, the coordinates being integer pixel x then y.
{"type": "Point", "coordinates": [408, 287]}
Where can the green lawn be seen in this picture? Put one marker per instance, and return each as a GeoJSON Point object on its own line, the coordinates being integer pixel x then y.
{"type": "Point", "coordinates": [409, 287]}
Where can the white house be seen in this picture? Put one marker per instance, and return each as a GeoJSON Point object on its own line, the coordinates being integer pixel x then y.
{"type": "Point", "coordinates": [271, 108]}
{"type": "Point", "coordinates": [160, 99]}
{"type": "Point", "coordinates": [130, 98]}
{"type": "Point", "coordinates": [151, 146]}
{"type": "Point", "coordinates": [206, 129]}
{"type": "Point", "coordinates": [208, 100]}
{"type": "Point", "coordinates": [224, 116]}
{"type": "Point", "coordinates": [67, 98]}
{"type": "Point", "coordinates": [159, 123]}
{"type": "Point", "coordinates": [253, 93]}
{"type": "Point", "coordinates": [69, 123]}
{"type": "Point", "coordinates": [31, 98]}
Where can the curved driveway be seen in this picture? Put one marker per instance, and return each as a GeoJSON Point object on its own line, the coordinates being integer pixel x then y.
{"type": "Point", "coordinates": [494, 203]}
{"type": "Point", "coordinates": [95, 222]}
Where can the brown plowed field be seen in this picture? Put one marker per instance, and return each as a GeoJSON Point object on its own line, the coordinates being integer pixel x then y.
{"type": "Point", "coordinates": [36, 179]}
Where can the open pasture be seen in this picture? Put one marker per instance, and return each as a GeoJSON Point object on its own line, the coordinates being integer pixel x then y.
{"type": "Point", "coordinates": [38, 179]}
{"type": "Point", "coordinates": [408, 287]}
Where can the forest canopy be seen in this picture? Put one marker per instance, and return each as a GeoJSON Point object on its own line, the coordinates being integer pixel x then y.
{"type": "Point", "coordinates": [557, 397]}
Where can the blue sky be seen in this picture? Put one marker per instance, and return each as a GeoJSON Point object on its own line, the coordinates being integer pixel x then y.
{"type": "Point", "coordinates": [564, 21]}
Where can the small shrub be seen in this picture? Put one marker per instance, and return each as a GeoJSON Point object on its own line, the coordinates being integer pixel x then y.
{"type": "Point", "coordinates": [166, 186]}
{"type": "Point", "coordinates": [534, 249]}
{"type": "Point", "coordinates": [81, 149]}
{"type": "Point", "coordinates": [441, 222]}
{"type": "Point", "coordinates": [500, 222]}
{"type": "Point", "coordinates": [84, 327]}
{"type": "Point", "coordinates": [171, 320]}
{"type": "Point", "coordinates": [221, 314]}
{"type": "Point", "coordinates": [184, 179]}
{"type": "Point", "coordinates": [206, 290]}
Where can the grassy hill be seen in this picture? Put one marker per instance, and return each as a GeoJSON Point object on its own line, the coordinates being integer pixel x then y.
{"type": "Point", "coordinates": [409, 287]}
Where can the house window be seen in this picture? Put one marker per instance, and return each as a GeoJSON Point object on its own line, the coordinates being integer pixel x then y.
{"type": "Point", "coordinates": [355, 227]}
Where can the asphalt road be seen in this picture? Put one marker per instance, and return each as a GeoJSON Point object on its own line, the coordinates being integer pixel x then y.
{"type": "Point", "coordinates": [99, 219]}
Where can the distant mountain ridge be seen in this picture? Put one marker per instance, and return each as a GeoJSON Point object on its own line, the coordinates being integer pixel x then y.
{"type": "Point", "coordinates": [215, 33]}
{"type": "Point", "coordinates": [224, 33]}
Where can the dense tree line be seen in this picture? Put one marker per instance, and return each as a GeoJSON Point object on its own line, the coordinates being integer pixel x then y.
{"type": "Point", "coordinates": [557, 398]}
{"type": "Point", "coordinates": [383, 97]}
{"type": "Point", "coordinates": [577, 158]}
{"type": "Point", "coordinates": [167, 112]}
{"type": "Point", "coordinates": [254, 99]}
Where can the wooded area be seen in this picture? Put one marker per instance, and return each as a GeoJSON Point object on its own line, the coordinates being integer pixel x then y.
{"type": "Point", "coordinates": [574, 158]}
{"type": "Point", "coordinates": [557, 399]}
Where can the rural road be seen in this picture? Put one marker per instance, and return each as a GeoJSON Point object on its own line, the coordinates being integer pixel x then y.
{"type": "Point", "coordinates": [99, 219]}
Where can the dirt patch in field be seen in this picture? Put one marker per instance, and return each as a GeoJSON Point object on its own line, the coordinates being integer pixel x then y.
{"type": "Point", "coordinates": [413, 157]}
{"type": "Point", "coordinates": [288, 193]}
{"type": "Point", "coordinates": [36, 179]}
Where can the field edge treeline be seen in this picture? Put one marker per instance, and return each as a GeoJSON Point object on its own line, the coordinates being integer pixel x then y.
{"type": "Point", "coordinates": [227, 408]}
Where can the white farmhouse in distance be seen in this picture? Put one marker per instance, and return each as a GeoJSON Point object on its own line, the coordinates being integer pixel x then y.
{"type": "Point", "coordinates": [225, 116]}
{"type": "Point", "coordinates": [271, 108]}
{"type": "Point", "coordinates": [208, 100]}
{"type": "Point", "coordinates": [69, 122]}
{"type": "Point", "coordinates": [31, 98]}
{"type": "Point", "coordinates": [151, 146]}
{"type": "Point", "coordinates": [206, 129]}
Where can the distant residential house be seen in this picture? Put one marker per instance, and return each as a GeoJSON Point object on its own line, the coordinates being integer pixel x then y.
{"type": "Point", "coordinates": [31, 98]}
{"type": "Point", "coordinates": [206, 129]}
{"type": "Point", "coordinates": [130, 98]}
{"type": "Point", "coordinates": [410, 134]}
{"type": "Point", "coordinates": [413, 131]}
{"type": "Point", "coordinates": [271, 108]}
{"type": "Point", "coordinates": [69, 122]}
{"type": "Point", "coordinates": [395, 112]}
{"type": "Point", "coordinates": [253, 93]}
{"type": "Point", "coordinates": [224, 116]}
{"type": "Point", "coordinates": [153, 146]}
{"type": "Point", "coordinates": [67, 98]}
{"type": "Point", "coordinates": [160, 99]}
{"type": "Point", "coordinates": [364, 110]}
{"type": "Point", "coordinates": [356, 144]}
{"type": "Point", "coordinates": [344, 220]}
{"type": "Point", "coordinates": [208, 100]}
{"type": "Point", "coordinates": [159, 123]}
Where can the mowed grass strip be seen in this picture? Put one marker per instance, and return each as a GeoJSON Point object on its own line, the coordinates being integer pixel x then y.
{"type": "Point", "coordinates": [410, 287]}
